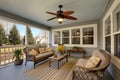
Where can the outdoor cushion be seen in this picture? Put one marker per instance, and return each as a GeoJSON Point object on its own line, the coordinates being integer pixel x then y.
{"type": "Point", "coordinates": [48, 49]}
{"type": "Point", "coordinates": [33, 52]}
{"type": "Point", "coordinates": [92, 62]}
{"type": "Point", "coordinates": [42, 50]}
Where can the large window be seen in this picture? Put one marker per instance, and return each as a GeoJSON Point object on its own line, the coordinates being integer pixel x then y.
{"type": "Point", "coordinates": [108, 26]}
{"type": "Point", "coordinates": [57, 37]}
{"type": "Point", "coordinates": [75, 36]}
{"type": "Point", "coordinates": [116, 22]}
{"type": "Point", "coordinates": [85, 36]}
{"type": "Point", "coordinates": [65, 36]}
{"type": "Point", "coordinates": [88, 35]}
{"type": "Point", "coordinates": [111, 24]}
{"type": "Point", "coordinates": [107, 34]}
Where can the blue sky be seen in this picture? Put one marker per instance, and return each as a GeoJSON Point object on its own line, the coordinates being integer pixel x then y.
{"type": "Point", "coordinates": [21, 29]}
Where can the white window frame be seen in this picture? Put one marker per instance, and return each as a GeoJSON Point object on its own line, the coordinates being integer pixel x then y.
{"type": "Point", "coordinates": [71, 35]}
{"type": "Point", "coordinates": [81, 30]}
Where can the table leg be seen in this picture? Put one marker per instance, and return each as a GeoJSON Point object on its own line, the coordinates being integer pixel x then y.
{"type": "Point", "coordinates": [69, 53]}
{"type": "Point", "coordinates": [49, 63]}
{"type": "Point", "coordinates": [83, 55]}
{"type": "Point", "coordinates": [58, 65]}
{"type": "Point", "coordinates": [66, 58]}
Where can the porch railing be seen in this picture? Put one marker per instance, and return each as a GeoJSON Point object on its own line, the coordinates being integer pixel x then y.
{"type": "Point", "coordinates": [6, 53]}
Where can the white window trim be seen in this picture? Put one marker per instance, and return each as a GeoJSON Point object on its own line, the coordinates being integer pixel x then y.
{"type": "Point", "coordinates": [81, 30]}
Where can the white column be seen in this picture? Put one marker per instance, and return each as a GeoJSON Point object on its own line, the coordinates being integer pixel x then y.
{"type": "Point", "coordinates": [26, 43]}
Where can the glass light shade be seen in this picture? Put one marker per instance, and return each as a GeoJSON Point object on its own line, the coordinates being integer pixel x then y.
{"type": "Point", "coordinates": [60, 20]}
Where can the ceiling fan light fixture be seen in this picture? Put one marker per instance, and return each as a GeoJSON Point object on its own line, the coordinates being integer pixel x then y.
{"type": "Point", "coordinates": [60, 15]}
{"type": "Point", "coordinates": [60, 20]}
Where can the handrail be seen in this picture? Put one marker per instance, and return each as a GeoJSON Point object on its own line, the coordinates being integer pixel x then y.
{"type": "Point", "coordinates": [6, 53]}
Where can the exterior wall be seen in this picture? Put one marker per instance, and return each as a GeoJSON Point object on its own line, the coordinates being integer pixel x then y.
{"type": "Point", "coordinates": [114, 67]}
{"type": "Point", "coordinates": [89, 50]}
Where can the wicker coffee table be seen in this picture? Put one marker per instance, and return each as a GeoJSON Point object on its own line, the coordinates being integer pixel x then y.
{"type": "Point", "coordinates": [57, 59]}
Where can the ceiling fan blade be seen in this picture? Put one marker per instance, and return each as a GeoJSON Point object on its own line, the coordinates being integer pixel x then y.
{"type": "Point", "coordinates": [70, 17]}
{"type": "Point", "coordinates": [51, 18]}
{"type": "Point", "coordinates": [51, 13]}
{"type": "Point", "coordinates": [67, 12]}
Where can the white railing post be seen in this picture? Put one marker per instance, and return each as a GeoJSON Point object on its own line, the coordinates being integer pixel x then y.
{"type": "Point", "coordinates": [0, 56]}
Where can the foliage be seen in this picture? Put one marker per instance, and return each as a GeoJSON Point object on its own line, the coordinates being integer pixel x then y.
{"type": "Point", "coordinates": [14, 36]}
{"type": "Point", "coordinates": [17, 54]}
{"type": "Point", "coordinates": [75, 48]}
{"type": "Point", "coordinates": [30, 38]}
{"type": "Point", "coordinates": [2, 35]}
{"type": "Point", "coordinates": [60, 48]}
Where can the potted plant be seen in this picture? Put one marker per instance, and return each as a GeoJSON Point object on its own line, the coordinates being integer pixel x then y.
{"type": "Point", "coordinates": [60, 49]}
{"type": "Point", "coordinates": [75, 48]}
{"type": "Point", "coordinates": [18, 57]}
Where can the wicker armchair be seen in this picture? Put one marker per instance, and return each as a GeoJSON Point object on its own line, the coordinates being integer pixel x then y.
{"type": "Point", "coordinates": [82, 73]}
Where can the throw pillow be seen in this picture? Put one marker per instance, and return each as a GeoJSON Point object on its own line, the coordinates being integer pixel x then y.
{"type": "Point", "coordinates": [92, 62]}
{"type": "Point", "coordinates": [33, 52]}
{"type": "Point", "coordinates": [42, 50]}
{"type": "Point", "coordinates": [48, 49]}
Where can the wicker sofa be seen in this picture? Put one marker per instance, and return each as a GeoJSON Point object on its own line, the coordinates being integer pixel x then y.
{"type": "Point", "coordinates": [39, 57]}
{"type": "Point", "coordinates": [80, 72]}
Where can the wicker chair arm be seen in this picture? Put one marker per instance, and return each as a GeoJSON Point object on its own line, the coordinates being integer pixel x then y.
{"type": "Point", "coordinates": [86, 74]}
{"type": "Point", "coordinates": [30, 58]}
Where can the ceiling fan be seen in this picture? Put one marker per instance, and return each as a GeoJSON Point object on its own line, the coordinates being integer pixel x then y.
{"type": "Point", "coordinates": [60, 15]}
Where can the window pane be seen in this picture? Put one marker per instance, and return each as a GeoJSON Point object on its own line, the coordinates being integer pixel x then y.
{"type": "Point", "coordinates": [65, 40]}
{"type": "Point", "coordinates": [65, 33]}
{"type": "Point", "coordinates": [88, 35]}
{"type": "Point", "coordinates": [107, 26]}
{"type": "Point", "coordinates": [65, 36]}
{"type": "Point", "coordinates": [56, 40]}
{"type": "Point", "coordinates": [75, 32]}
{"type": "Point", "coordinates": [87, 31]}
{"type": "Point", "coordinates": [57, 37]}
{"type": "Point", "coordinates": [57, 34]}
{"type": "Point", "coordinates": [117, 45]}
{"type": "Point", "coordinates": [116, 19]}
{"type": "Point", "coordinates": [88, 40]}
{"type": "Point", "coordinates": [76, 40]}
{"type": "Point", "coordinates": [75, 36]}
{"type": "Point", "coordinates": [108, 44]}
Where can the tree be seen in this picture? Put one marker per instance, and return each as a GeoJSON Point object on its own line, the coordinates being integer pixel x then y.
{"type": "Point", "coordinates": [30, 38]}
{"type": "Point", "coordinates": [14, 36]}
{"type": "Point", "coordinates": [2, 35]}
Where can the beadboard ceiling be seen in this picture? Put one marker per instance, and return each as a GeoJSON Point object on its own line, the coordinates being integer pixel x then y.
{"type": "Point", "coordinates": [34, 10]}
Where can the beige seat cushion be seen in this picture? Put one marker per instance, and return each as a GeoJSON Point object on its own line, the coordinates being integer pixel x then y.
{"type": "Point", "coordinates": [42, 50]}
{"type": "Point", "coordinates": [48, 49]}
{"type": "Point", "coordinates": [33, 52]}
{"type": "Point", "coordinates": [46, 55]}
{"type": "Point", "coordinates": [92, 62]}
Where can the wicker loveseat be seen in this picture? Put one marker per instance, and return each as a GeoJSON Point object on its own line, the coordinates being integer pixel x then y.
{"type": "Point", "coordinates": [80, 72]}
{"type": "Point", "coordinates": [39, 57]}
